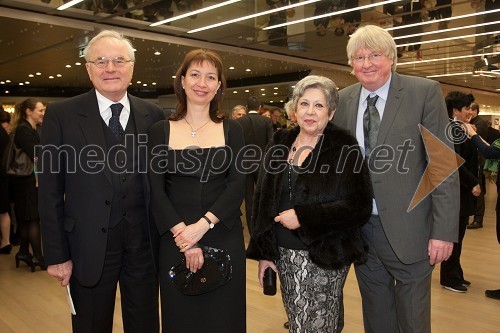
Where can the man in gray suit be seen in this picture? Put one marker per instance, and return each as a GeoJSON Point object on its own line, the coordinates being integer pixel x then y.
{"type": "Point", "coordinates": [404, 244]}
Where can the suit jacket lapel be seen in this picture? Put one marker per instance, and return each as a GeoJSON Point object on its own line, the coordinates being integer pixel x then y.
{"type": "Point", "coordinates": [142, 124]}
{"type": "Point", "coordinates": [353, 112]}
{"type": "Point", "coordinates": [141, 116]}
{"type": "Point", "coordinates": [392, 107]}
{"type": "Point", "coordinates": [90, 125]}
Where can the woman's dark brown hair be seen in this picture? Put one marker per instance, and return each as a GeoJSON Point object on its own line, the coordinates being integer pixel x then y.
{"type": "Point", "coordinates": [21, 109]}
{"type": "Point", "coordinates": [198, 57]}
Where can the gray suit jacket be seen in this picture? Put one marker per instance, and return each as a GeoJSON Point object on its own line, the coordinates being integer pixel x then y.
{"type": "Point", "coordinates": [411, 101]}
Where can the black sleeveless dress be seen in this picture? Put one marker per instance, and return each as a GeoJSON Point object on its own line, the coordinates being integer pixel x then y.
{"type": "Point", "coordinates": [192, 182]}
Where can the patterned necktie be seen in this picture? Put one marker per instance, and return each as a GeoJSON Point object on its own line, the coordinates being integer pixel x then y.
{"type": "Point", "coordinates": [114, 122]}
{"type": "Point", "coordinates": [371, 124]}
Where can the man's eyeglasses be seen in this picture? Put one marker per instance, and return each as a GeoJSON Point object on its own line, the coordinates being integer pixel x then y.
{"type": "Point", "coordinates": [117, 62]}
{"type": "Point", "coordinates": [374, 57]}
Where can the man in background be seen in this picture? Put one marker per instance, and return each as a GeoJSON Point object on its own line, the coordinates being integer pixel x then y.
{"type": "Point", "coordinates": [257, 131]}
{"type": "Point", "coordinates": [481, 129]}
{"type": "Point", "coordinates": [238, 112]}
{"type": "Point", "coordinates": [458, 106]}
{"type": "Point", "coordinates": [275, 118]}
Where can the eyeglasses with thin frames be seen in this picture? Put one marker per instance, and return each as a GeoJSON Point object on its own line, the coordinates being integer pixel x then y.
{"type": "Point", "coordinates": [103, 62]}
{"type": "Point", "coordinates": [373, 58]}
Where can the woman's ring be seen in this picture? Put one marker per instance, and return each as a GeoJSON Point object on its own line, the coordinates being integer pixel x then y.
{"type": "Point", "coordinates": [183, 245]}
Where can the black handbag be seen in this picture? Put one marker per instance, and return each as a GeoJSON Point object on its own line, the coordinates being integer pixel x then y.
{"type": "Point", "coordinates": [15, 161]}
{"type": "Point", "coordinates": [216, 271]}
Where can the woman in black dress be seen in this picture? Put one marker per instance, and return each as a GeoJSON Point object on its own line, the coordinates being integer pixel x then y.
{"type": "Point", "coordinates": [29, 114]}
{"type": "Point", "coordinates": [196, 193]}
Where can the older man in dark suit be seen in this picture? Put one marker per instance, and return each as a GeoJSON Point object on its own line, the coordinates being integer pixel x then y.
{"type": "Point", "coordinates": [385, 111]}
{"type": "Point", "coordinates": [94, 194]}
{"type": "Point", "coordinates": [258, 131]}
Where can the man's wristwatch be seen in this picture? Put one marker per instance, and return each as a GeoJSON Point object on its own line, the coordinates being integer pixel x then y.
{"type": "Point", "coordinates": [210, 223]}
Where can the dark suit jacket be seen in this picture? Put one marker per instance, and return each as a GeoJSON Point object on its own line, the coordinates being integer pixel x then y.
{"type": "Point", "coordinates": [468, 174]}
{"type": "Point", "coordinates": [257, 129]}
{"type": "Point", "coordinates": [482, 130]}
{"type": "Point", "coordinates": [75, 198]}
{"type": "Point", "coordinates": [481, 126]}
{"type": "Point", "coordinates": [412, 101]}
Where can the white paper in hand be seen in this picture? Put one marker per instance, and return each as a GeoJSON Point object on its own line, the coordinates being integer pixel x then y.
{"type": "Point", "coordinates": [70, 301]}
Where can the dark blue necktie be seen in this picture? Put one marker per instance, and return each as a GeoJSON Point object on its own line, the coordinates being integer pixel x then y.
{"type": "Point", "coordinates": [371, 124]}
{"type": "Point", "coordinates": [114, 122]}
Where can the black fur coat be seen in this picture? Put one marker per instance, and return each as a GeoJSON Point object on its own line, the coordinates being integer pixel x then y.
{"type": "Point", "coordinates": [332, 200]}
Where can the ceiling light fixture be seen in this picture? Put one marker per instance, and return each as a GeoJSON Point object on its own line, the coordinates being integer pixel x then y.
{"type": "Point", "coordinates": [448, 58]}
{"type": "Point", "coordinates": [488, 72]}
{"type": "Point", "coordinates": [451, 74]}
{"type": "Point", "coordinates": [441, 20]}
{"type": "Point", "coordinates": [450, 38]}
{"type": "Point", "coordinates": [446, 30]}
{"type": "Point", "coordinates": [178, 17]}
{"type": "Point", "coordinates": [330, 14]}
{"type": "Point", "coordinates": [69, 4]}
{"type": "Point", "coordinates": [243, 18]}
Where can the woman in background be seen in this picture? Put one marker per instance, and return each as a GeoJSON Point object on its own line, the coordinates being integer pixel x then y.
{"type": "Point", "coordinates": [28, 114]}
{"type": "Point", "coordinates": [196, 197]}
{"type": "Point", "coordinates": [265, 112]}
{"type": "Point", "coordinates": [5, 246]}
{"type": "Point", "coordinates": [312, 197]}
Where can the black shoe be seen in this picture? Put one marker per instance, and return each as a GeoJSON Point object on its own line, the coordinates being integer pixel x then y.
{"type": "Point", "coordinates": [495, 294]}
{"type": "Point", "coordinates": [27, 258]}
{"type": "Point", "coordinates": [458, 288]}
{"type": "Point", "coordinates": [475, 225]}
{"type": "Point", "coordinates": [6, 249]}
{"type": "Point", "coordinates": [465, 283]}
{"type": "Point", "coordinates": [286, 325]}
{"type": "Point", "coordinates": [39, 261]}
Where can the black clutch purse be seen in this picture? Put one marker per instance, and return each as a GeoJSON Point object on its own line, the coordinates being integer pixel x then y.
{"type": "Point", "coordinates": [215, 272]}
{"type": "Point", "coordinates": [269, 282]}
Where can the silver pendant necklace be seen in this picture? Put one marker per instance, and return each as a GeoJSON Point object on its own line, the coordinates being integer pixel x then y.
{"type": "Point", "coordinates": [194, 131]}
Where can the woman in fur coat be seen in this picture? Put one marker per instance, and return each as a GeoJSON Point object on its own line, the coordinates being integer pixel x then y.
{"type": "Point", "coordinates": [312, 197]}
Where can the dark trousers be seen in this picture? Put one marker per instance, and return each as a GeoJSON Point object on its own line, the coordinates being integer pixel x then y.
{"type": "Point", "coordinates": [250, 181]}
{"type": "Point", "coordinates": [480, 204]}
{"type": "Point", "coordinates": [396, 297]}
{"type": "Point", "coordinates": [451, 270]}
{"type": "Point", "coordinates": [498, 211]}
{"type": "Point", "coordinates": [128, 261]}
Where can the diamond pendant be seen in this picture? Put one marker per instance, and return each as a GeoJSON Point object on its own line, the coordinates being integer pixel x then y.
{"type": "Point", "coordinates": [193, 133]}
